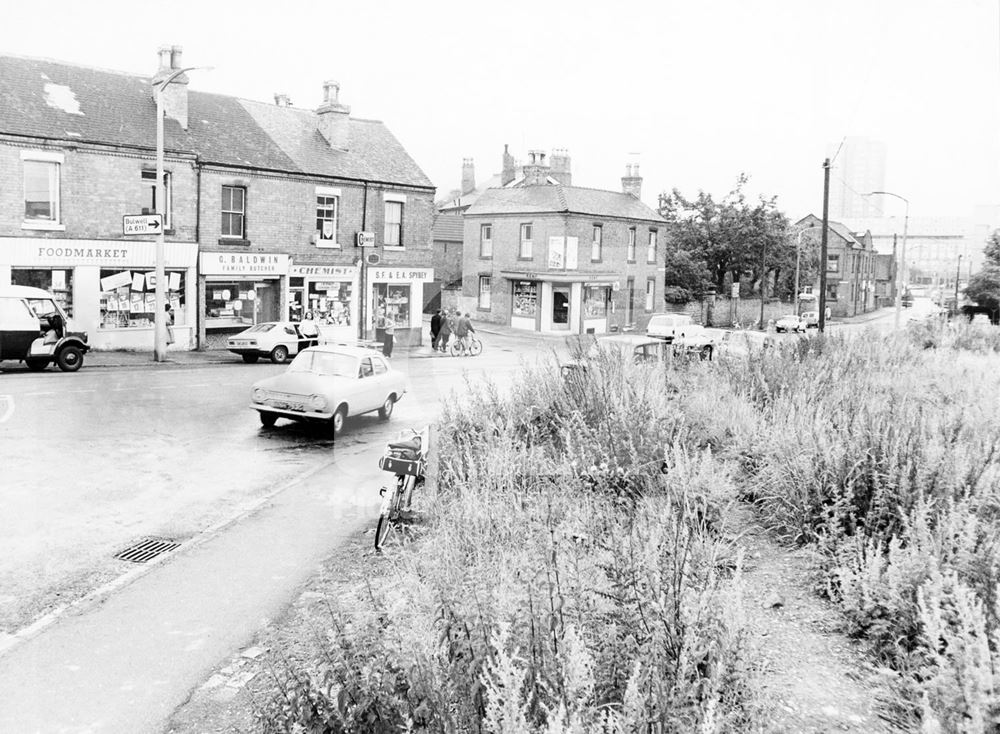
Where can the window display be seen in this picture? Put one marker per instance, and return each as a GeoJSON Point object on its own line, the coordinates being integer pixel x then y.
{"type": "Point", "coordinates": [392, 305]}
{"type": "Point", "coordinates": [525, 298]}
{"type": "Point", "coordinates": [128, 298]}
{"type": "Point", "coordinates": [595, 302]}
{"type": "Point", "coordinates": [57, 282]}
{"type": "Point", "coordinates": [330, 302]}
{"type": "Point", "coordinates": [240, 302]}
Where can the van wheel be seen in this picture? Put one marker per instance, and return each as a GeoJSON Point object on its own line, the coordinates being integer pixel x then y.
{"type": "Point", "coordinates": [279, 355]}
{"type": "Point", "coordinates": [36, 365]}
{"type": "Point", "coordinates": [69, 359]}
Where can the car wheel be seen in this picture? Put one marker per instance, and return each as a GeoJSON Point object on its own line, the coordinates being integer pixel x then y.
{"type": "Point", "coordinates": [36, 365]}
{"type": "Point", "coordinates": [386, 410]}
{"type": "Point", "coordinates": [69, 359]}
{"type": "Point", "coordinates": [250, 359]}
{"type": "Point", "coordinates": [337, 421]}
{"type": "Point", "coordinates": [267, 419]}
{"type": "Point", "coordinates": [279, 355]}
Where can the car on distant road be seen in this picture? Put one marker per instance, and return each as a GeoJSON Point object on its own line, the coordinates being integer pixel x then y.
{"type": "Point", "coordinates": [635, 346]}
{"type": "Point", "coordinates": [35, 330]}
{"type": "Point", "coordinates": [695, 339]}
{"type": "Point", "coordinates": [791, 322]}
{"type": "Point", "coordinates": [276, 340]}
{"type": "Point", "coordinates": [665, 325]}
{"type": "Point", "coordinates": [327, 384]}
{"type": "Point", "coordinates": [811, 318]}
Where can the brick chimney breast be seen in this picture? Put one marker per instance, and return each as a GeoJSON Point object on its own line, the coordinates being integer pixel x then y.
{"type": "Point", "coordinates": [632, 181]}
{"type": "Point", "coordinates": [334, 117]}
{"type": "Point", "coordinates": [175, 95]}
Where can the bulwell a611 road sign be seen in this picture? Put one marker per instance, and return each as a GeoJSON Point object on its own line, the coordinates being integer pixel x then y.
{"type": "Point", "coordinates": [142, 223]}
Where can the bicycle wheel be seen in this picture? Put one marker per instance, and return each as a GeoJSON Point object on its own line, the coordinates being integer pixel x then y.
{"type": "Point", "coordinates": [476, 347]}
{"type": "Point", "coordinates": [381, 532]}
{"type": "Point", "coordinates": [387, 515]}
{"type": "Point", "coordinates": [456, 348]}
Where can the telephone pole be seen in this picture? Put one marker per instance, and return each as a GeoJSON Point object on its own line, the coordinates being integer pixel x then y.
{"type": "Point", "coordinates": [823, 244]}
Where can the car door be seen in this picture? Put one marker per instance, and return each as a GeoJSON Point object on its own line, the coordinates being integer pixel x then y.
{"type": "Point", "coordinates": [368, 398]}
{"type": "Point", "coordinates": [19, 327]}
{"type": "Point", "coordinates": [383, 379]}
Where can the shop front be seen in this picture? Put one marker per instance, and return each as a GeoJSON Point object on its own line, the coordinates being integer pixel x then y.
{"type": "Point", "coordinates": [326, 294]}
{"type": "Point", "coordinates": [239, 290]}
{"type": "Point", "coordinates": [560, 305]}
{"type": "Point", "coordinates": [107, 287]}
{"type": "Point", "coordinates": [396, 296]}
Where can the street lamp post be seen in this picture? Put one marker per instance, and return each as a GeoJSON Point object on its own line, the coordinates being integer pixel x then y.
{"type": "Point", "coordinates": [159, 321]}
{"type": "Point", "coordinates": [901, 270]}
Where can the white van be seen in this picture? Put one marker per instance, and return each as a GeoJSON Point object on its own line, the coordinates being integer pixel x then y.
{"type": "Point", "coordinates": [666, 325]}
{"type": "Point", "coordinates": [34, 330]}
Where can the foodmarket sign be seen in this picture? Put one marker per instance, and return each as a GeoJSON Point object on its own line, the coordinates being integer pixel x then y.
{"type": "Point", "coordinates": [225, 263]}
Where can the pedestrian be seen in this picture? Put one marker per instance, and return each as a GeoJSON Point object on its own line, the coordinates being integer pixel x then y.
{"type": "Point", "coordinates": [463, 327]}
{"type": "Point", "coordinates": [390, 332]}
{"type": "Point", "coordinates": [435, 329]}
{"type": "Point", "coordinates": [169, 322]}
{"type": "Point", "coordinates": [445, 332]}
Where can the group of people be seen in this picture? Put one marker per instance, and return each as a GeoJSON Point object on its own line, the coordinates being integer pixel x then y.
{"type": "Point", "coordinates": [444, 324]}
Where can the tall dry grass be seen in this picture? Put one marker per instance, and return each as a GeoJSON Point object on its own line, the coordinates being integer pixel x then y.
{"type": "Point", "coordinates": [572, 575]}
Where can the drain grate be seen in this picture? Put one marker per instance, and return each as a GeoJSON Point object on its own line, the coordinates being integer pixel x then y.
{"type": "Point", "coordinates": [147, 549]}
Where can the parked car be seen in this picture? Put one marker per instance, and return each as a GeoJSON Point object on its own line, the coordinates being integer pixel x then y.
{"type": "Point", "coordinates": [636, 346]}
{"type": "Point", "coordinates": [811, 318]}
{"type": "Point", "coordinates": [743, 342]}
{"type": "Point", "coordinates": [665, 325]}
{"type": "Point", "coordinates": [790, 322]}
{"type": "Point", "coordinates": [35, 330]}
{"type": "Point", "coordinates": [695, 339]}
{"type": "Point", "coordinates": [327, 384]}
{"type": "Point", "coordinates": [277, 340]}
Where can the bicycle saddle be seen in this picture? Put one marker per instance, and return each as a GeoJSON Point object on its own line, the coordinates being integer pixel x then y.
{"type": "Point", "coordinates": [410, 443]}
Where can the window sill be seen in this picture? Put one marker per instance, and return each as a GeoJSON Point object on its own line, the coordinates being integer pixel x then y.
{"type": "Point", "coordinates": [328, 245]}
{"type": "Point", "coordinates": [487, 309]}
{"type": "Point", "coordinates": [485, 257]}
{"type": "Point", "coordinates": [46, 226]}
{"type": "Point", "coordinates": [234, 241]}
{"type": "Point", "coordinates": [524, 259]}
{"type": "Point", "coordinates": [394, 248]}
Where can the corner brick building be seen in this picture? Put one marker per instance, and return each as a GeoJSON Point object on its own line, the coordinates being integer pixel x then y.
{"type": "Point", "coordinates": [852, 272]}
{"type": "Point", "coordinates": [263, 206]}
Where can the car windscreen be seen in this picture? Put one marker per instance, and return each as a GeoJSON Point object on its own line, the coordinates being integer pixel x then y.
{"type": "Point", "coordinates": [260, 328]}
{"type": "Point", "coordinates": [43, 306]}
{"type": "Point", "coordinates": [334, 363]}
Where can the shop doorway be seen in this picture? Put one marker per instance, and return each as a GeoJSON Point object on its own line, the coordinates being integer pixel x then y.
{"type": "Point", "coordinates": [560, 307]}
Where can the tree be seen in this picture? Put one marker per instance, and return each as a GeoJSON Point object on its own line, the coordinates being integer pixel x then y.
{"type": "Point", "coordinates": [686, 277]}
{"type": "Point", "coordinates": [731, 237]}
{"type": "Point", "coordinates": [984, 286]}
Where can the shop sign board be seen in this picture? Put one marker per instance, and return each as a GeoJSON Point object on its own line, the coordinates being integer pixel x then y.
{"type": "Point", "coordinates": [27, 251]}
{"type": "Point", "coordinates": [423, 275]}
{"type": "Point", "coordinates": [366, 239]}
{"type": "Point", "coordinates": [326, 271]}
{"type": "Point", "coordinates": [142, 224]}
{"type": "Point", "coordinates": [258, 264]}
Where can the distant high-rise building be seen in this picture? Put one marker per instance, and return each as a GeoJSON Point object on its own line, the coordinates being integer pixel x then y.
{"type": "Point", "coordinates": [858, 168]}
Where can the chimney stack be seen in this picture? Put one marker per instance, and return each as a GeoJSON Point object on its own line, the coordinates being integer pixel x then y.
{"type": "Point", "coordinates": [334, 117]}
{"type": "Point", "coordinates": [561, 167]}
{"type": "Point", "coordinates": [175, 94]}
{"type": "Point", "coordinates": [468, 176]}
{"type": "Point", "coordinates": [282, 100]}
{"type": "Point", "coordinates": [536, 172]}
{"type": "Point", "coordinates": [632, 181]}
{"type": "Point", "coordinates": [507, 174]}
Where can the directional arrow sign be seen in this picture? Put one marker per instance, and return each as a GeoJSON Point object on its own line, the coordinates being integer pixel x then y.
{"type": "Point", "coordinates": [142, 223]}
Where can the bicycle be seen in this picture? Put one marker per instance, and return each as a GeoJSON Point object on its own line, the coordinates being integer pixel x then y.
{"type": "Point", "coordinates": [473, 349]}
{"type": "Point", "coordinates": [407, 459]}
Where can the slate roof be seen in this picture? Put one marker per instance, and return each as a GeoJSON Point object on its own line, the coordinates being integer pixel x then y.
{"type": "Point", "coordinates": [562, 199]}
{"type": "Point", "coordinates": [65, 102]}
{"type": "Point", "coordinates": [448, 228]}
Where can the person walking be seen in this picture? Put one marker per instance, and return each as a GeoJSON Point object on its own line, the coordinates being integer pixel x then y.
{"type": "Point", "coordinates": [169, 322]}
{"type": "Point", "coordinates": [445, 332]}
{"type": "Point", "coordinates": [435, 329]}
{"type": "Point", "coordinates": [463, 327]}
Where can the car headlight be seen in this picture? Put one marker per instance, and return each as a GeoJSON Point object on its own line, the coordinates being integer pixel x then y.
{"type": "Point", "coordinates": [259, 394]}
{"type": "Point", "coordinates": [317, 402]}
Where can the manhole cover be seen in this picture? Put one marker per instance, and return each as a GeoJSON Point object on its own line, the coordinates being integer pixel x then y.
{"type": "Point", "coordinates": [147, 549]}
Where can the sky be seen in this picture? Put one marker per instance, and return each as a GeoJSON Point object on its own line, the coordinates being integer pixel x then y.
{"type": "Point", "coordinates": [695, 92]}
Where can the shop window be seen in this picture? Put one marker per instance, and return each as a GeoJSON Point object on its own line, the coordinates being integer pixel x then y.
{"type": "Point", "coordinates": [41, 192]}
{"type": "Point", "coordinates": [651, 248]}
{"type": "Point", "coordinates": [832, 263]}
{"type": "Point", "coordinates": [831, 292]}
{"type": "Point", "coordinates": [525, 302]}
{"type": "Point", "coordinates": [57, 282]}
{"type": "Point", "coordinates": [393, 236]}
{"type": "Point", "coordinates": [595, 302]}
{"type": "Point", "coordinates": [240, 303]}
{"type": "Point", "coordinates": [329, 302]}
{"type": "Point", "coordinates": [234, 200]}
{"type": "Point", "coordinates": [149, 200]}
{"type": "Point", "coordinates": [631, 245]}
{"type": "Point", "coordinates": [524, 250]}
{"type": "Point", "coordinates": [327, 213]}
{"type": "Point", "coordinates": [485, 286]}
{"type": "Point", "coordinates": [128, 298]}
{"type": "Point", "coordinates": [596, 243]}
{"type": "Point", "coordinates": [650, 294]}
{"type": "Point", "coordinates": [486, 240]}
{"type": "Point", "coordinates": [392, 305]}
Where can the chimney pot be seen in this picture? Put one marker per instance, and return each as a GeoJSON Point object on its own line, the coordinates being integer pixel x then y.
{"type": "Point", "coordinates": [175, 57]}
{"type": "Point", "coordinates": [165, 53]}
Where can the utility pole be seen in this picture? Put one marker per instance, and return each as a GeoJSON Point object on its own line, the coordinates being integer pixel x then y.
{"type": "Point", "coordinates": [823, 245]}
{"type": "Point", "coordinates": [958, 274]}
{"type": "Point", "coordinates": [763, 281]}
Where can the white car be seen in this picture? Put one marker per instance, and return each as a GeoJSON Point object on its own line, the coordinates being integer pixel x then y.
{"type": "Point", "coordinates": [666, 325]}
{"type": "Point", "coordinates": [695, 339]}
{"type": "Point", "coordinates": [327, 384]}
{"type": "Point", "coordinates": [790, 322]}
{"type": "Point", "coordinates": [277, 340]}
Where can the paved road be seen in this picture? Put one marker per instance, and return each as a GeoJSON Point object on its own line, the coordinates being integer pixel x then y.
{"type": "Point", "coordinates": [123, 659]}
